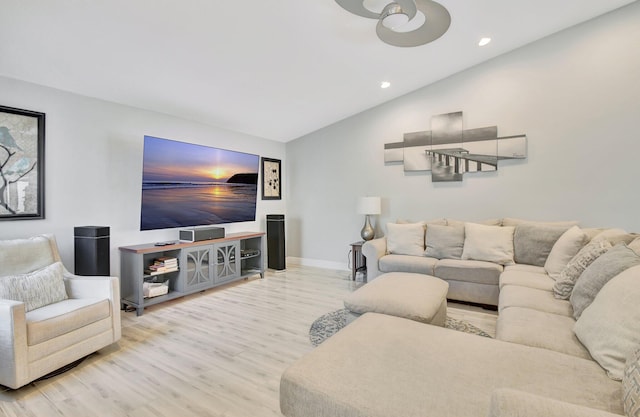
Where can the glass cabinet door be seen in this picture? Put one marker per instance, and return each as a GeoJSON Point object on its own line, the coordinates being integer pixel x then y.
{"type": "Point", "coordinates": [227, 261]}
{"type": "Point", "coordinates": [197, 268]}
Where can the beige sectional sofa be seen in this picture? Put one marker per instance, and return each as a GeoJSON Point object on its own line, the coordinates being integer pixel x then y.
{"type": "Point", "coordinates": [548, 357]}
{"type": "Point", "coordinates": [473, 272]}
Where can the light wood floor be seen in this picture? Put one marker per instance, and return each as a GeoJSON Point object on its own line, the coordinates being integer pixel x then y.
{"type": "Point", "coordinates": [217, 353]}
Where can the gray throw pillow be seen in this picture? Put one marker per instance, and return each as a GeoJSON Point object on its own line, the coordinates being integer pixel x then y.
{"type": "Point", "coordinates": [532, 242]}
{"type": "Point", "coordinates": [570, 274]}
{"type": "Point", "coordinates": [444, 242]}
{"type": "Point", "coordinates": [607, 266]}
{"type": "Point", "coordinates": [610, 327]}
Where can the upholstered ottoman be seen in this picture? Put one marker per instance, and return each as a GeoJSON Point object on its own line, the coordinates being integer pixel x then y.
{"type": "Point", "coordinates": [417, 297]}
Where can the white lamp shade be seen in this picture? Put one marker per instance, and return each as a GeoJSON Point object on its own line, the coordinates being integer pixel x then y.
{"type": "Point", "coordinates": [369, 205]}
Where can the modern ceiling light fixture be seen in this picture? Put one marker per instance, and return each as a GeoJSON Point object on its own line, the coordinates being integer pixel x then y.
{"type": "Point", "coordinates": [401, 13]}
{"type": "Point", "coordinates": [393, 16]}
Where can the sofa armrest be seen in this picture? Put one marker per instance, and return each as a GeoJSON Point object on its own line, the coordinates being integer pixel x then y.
{"type": "Point", "coordinates": [507, 402]}
{"type": "Point", "coordinates": [97, 287]}
{"type": "Point", "coordinates": [13, 343]}
{"type": "Point", "coordinates": [373, 250]}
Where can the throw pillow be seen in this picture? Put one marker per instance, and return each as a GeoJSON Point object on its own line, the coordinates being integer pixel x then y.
{"type": "Point", "coordinates": [488, 243]}
{"type": "Point", "coordinates": [610, 327]}
{"type": "Point", "coordinates": [615, 236]}
{"type": "Point", "coordinates": [35, 289]}
{"type": "Point", "coordinates": [565, 248]}
{"type": "Point", "coordinates": [564, 284]}
{"type": "Point", "coordinates": [405, 239]}
{"type": "Point", "coordinates": [532, 242]}
{"type": "Point", "coordinates": [444, 242]}
{"type": "Point", "coordinates": [631, 385]}
{"type": "Point", "coordinates": [607, 266]}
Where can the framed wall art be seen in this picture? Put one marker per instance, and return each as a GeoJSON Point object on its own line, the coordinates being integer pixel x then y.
{"type": "Point", "coordinates": [271, 180]}
{"type": "Point", "coordinates": [21, 164]}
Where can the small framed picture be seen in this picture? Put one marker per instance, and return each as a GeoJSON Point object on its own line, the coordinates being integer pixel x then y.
{"type": "Point", "coordinates": [271, 182]}
{"type": "Point", "coordinates": [21, 164]}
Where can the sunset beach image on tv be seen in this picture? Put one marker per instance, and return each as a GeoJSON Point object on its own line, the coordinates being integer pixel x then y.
{"type": "Point", "coordinates": [185, 184]}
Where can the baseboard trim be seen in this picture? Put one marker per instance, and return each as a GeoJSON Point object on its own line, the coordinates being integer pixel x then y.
{"type": "Point", "coordinates": [317, 263]}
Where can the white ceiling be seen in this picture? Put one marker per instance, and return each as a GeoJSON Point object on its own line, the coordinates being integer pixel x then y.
{"type": "Point", "coordinates": [275, 69]}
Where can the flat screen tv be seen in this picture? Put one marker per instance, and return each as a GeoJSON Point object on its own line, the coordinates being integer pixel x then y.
{"type": "Point", "coordinates": [185, 184]}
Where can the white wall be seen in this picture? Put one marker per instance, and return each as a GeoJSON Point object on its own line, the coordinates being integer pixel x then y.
{"type": "Point", "coordinates": [93, 166]}
{"type": "Point", "coordinates": [576, 95]}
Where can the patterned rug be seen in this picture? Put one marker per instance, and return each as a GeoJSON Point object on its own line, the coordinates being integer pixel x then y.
{"type": "Point", "coordinates": [329, 324]}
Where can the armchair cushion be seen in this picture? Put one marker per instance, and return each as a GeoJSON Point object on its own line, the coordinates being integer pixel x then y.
{"type": "Point", "coordinates": [60, 318]}
{"type": "Point", "coordinates": [19, 256]}
{"type": "Point", "coordinates": [35, 289]}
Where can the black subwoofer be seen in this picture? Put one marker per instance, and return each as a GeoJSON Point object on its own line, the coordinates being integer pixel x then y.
{"type": "Point", "coordinates": [91, 247]}
{"type": "Point", "coordinates": [275, 242]}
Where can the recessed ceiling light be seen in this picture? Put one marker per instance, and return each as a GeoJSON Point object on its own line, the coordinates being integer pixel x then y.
{"type": "Point", "coordinates": [385, 84]}
{"type": "Point", "coordinates": [484, 41]}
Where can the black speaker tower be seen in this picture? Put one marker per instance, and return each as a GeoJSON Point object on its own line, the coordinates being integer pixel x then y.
{"type": "Point", "coordinates": [91, 246]}
{"type": "Point", "coordinates": [275, 242]}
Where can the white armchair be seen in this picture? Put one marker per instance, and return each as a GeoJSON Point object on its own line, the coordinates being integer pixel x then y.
{"type": "Point", "coordinates": [36, 339]}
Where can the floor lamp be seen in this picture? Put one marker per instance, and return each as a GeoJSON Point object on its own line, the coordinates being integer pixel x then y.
{"type": "Point", "coordinates": [368, 206]}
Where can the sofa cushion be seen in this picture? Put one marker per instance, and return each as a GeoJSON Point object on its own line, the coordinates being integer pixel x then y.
{"type": "Point", "coordinates": [635, 245]}
{"type": "Point", "coordinates": [535, 299]}
{"type": "Point", "coordinates": [631, 385]}
{"type": "Point", "coordinates": [532, 242]}
{"type": "Point", "coordinates": [512, 221]}
{"type": "Point", "coordinates": [523, 278]}
{"type": "Point", "coordinates": [610, 326]}
{"type": "Point", "coordinates": [506, 402]}
{"type": "Point", "coordinates": [610, 264]}
{"type": "Point", "coordinates": [382, 365]}
{"type": "Point", "coordinates": [444, 242]}
{"type": "Point", "coordinates": [539, 329]}
{"type": "Point", "coordinates": [526, 268]}
{"type": "Point", "coordinates": [66, 316]}
{"type": "Point", "coordinates": [407, 263]}
{"type": "Point", "coordinates": [35, 289]}
{"type": "Point", "coordinates": [489, 222]}
{"type": "Point", "coordinates": [405, 239]}
{"type": "Point", "coordinates": [570, 274]}
{"type": "Point", "coordinates": [565, 248]}
{"type": "Point", "coordinates": [468, 271]}
{"type": "Point", "coordinates": [488, 243]}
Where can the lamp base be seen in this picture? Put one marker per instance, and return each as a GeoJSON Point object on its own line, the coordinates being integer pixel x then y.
{"type": "Point", "coordinates": [367, 232]}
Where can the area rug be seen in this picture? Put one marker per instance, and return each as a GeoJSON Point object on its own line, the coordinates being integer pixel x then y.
{"type": "Point", "coordinates": [329, 324]}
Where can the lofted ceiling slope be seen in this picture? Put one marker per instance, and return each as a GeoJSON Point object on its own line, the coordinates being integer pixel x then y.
{"type": "Point", "coordinates": [272, 69]}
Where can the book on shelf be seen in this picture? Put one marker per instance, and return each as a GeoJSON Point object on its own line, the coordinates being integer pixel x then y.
{"type": "Point", "coordinates": [162, 265]}
{"type": "Point", "coordinates": [162, 270]}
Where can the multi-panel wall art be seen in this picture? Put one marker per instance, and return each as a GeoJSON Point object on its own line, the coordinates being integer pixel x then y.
{"type": "Point", "coordinates": [448, 150]}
